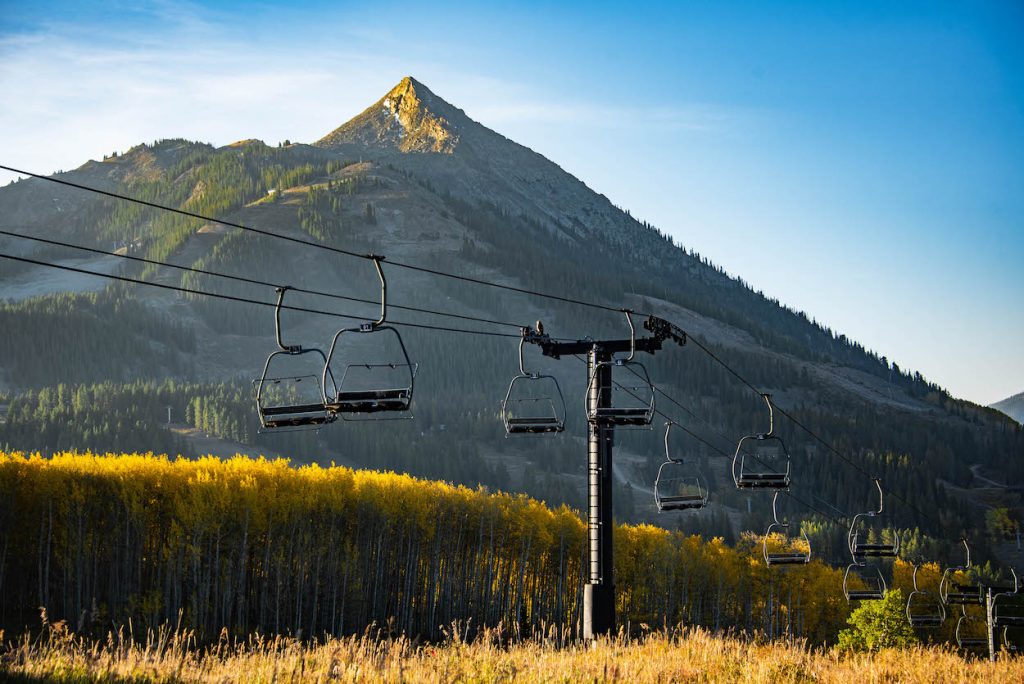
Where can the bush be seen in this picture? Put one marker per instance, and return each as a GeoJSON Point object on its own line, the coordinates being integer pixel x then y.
{"type": "Point", "coordinates": [878, 624]}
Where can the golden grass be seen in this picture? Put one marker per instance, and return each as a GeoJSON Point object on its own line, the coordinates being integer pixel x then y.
{"type": "Point", "coordinates": [691, 655]}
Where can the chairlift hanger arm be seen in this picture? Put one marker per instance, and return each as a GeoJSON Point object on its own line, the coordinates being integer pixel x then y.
{"type": "Point", "coordinates": [290, 348]}
{"type": "Point", "coordinates": [383, 290]}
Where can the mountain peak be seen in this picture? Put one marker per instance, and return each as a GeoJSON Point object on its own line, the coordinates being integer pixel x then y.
{"type": "Point", "coordinates": [409, 118]}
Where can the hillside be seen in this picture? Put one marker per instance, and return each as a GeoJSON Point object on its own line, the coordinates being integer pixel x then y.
{"type": "Point", "coordinates": [414, 178]}
{"type": "Point", "coordinates": [1012, 406]}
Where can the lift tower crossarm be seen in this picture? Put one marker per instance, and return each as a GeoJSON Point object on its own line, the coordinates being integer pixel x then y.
{"type": "Point", "coordinates": [662, 330]}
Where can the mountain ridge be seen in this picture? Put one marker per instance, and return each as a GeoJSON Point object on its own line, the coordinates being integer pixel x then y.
{"type": "Point", "coordinates": [1012, 406]}
{"type": "Point", "coordinates": [409, 118]}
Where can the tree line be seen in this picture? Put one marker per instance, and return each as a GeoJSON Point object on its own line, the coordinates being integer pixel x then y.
{"type": "Point", "coordinates": [261, 545]}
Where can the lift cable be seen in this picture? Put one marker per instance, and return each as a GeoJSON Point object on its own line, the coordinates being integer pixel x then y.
{"type": "Point", "coordinates": [311, 243]}
{"type": "Point", "coordinates": [186, 290]}
{"type": "Point", "coordinates": [819, 439]}
{"type": "Point", "coordinates": [252, 281]}
{"type": "Point", "coordinates": [726, 438]}
{"type": "Point", "coordinates": [708, 444]}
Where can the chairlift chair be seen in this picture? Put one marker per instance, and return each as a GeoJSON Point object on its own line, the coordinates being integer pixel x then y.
{"type": "Point", "coordinates": [953, 592]}
{"type": "Point", "coordinates": [524, 413]}
{"type": "Point", "coordinates": [1011, 645]}
{"type": "Point", "coordinates": [924, 609]}
{"type": "Point", "coordinates": [279, 409]}
{"type": "Point", "coordinates": [341, 399]}
{"type": "Point", "coordinates": [860, 547]}
{"type": "Point", "coordinates": [1008, 606]}
{"type": "Point", "coordinates": [968, 634]}
{"type": "Point", "coordinates": [783, 557]}
{"type": "Point", "coordinates": [677, 487]}
{"type": "Point", "coordinates": [749, 471]}
{"type": "Point", "coordinates": [861, 584]}
{"type": "Point", "coordinates": [638, 414]}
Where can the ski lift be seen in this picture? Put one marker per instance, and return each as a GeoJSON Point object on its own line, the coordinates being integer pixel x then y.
{"type": "Point", "coordinates": [289, 402]}
{"type": "Point", "coordinates": [768, 466]}
{"type": "Point", "coordinates": [361, 391]}
{"type": "Point", "coordinates": [953, 592]}
{"type": "Point", "coordinates": [924, 609]}
{"type": "Point", "coordinates": [859, 545]}
{"type": "Point", "coordinates": [783, 557]}
{"type": "Point", "coordinates": [639, 412]}
{"type": "Point", "coordinates": [676, 487]}
{"type": "Point", "coordinates": [971, 633]}
{"type": "Point", "coordinates": [539, 410]}
{"type": "Point", "coordinates": [861, 584]}
{"type": "Point", "coordinates": [1008, 606]}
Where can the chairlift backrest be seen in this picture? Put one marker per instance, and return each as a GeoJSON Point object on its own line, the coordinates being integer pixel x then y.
{"type": "Point", "coordinates": [279, 410]}
{"type": "Point", "coordinates": [376, 397]}
{"type": "Point", "coordinates": [676, 487]}
{"type": "Point", "coordinates": [751, 471]}
{"type": "Point", "coordinates": [523, 412]}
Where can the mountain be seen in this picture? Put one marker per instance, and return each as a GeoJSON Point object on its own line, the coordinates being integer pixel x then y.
{"type": "Point", "coordinates": [416, 179]}
{"type": "Point", "coordinates": [1012, 406]}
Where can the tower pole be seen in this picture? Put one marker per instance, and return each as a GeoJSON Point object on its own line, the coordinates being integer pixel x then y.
{"type": "Point", "coordinates": [599, 592]}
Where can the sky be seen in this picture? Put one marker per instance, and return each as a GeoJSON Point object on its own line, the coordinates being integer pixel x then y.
{"type": "Point", "coordinates": [862, 162]}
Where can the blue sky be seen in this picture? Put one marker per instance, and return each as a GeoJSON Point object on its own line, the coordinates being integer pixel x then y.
{"type": "Point", "coordinates": [863, 162]}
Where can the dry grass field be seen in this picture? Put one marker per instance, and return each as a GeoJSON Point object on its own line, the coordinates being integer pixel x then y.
{"type": "Point", "coordinates": [688, 656]}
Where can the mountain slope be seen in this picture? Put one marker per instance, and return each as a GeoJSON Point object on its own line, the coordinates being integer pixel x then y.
{"type": "Point", "coordinates": [415, 179]}
{"type": "Point", "coordinates": [1012, 406]}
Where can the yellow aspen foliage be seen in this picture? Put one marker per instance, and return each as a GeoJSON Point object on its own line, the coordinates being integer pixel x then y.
{"type": "Point", "coordinates": [253, 544]}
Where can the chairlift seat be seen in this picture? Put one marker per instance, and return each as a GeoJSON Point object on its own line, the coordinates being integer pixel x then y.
{"type": "Point", "coordinates": [681, 503]}
{"type": "Point", "coordinates": [925, 620]}
{"type": "Point", "coordinates": [285, 410]}
{"type": "Point", "coordinates": [533, 425]}
{"type": "Point", "coordinates": [998, 588]}
{"type": "Point", "coordinates": [1008, 620]}
{"type": "Point", "coordinates": [875, 550]}
{"type": "Point", "coordinates": [787, 558]}
{"type": "Point", "coordinates": [622, 416]}
{"type": "Point", "coordinates": [763, 480]}
{"type": "Point", "coordinates": [965, 594]}
{"type": "Point", "coordinates": [295, 416]}
{"type": "Point", "coordinates": [370, 401]}
{"type": "Point", "coordinates": [974, 642]}
{"type": "Point", "coordinates": [865, 594]}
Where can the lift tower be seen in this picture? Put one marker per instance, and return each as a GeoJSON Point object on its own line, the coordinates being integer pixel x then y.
{"type": "Point", "coordinates": [599, 592]}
